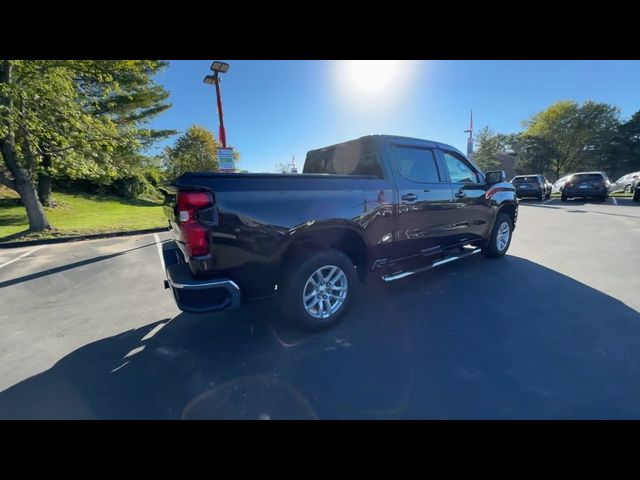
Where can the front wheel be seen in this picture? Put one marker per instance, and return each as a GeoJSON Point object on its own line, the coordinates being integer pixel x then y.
{"type": "Point", "coordinates": [317, 289]}
{"type": "Point", "coordinates": [500, 239]}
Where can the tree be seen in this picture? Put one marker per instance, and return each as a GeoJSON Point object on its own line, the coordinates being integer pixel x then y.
{"type": "Point", "coordinates": [577, 136]}
{"type": "Point", "coordinates": [626, 147]}
{"type": "Point", "coordinates": [62, 114]}
{"type": "Point", "coordinates": [194, 151]}
{"type": "Point", "coordinates": [129, 98]}
{"type": "Point", "coordinates": [488, 143]}
{"type": "Point", "coordinates": [534, 155]}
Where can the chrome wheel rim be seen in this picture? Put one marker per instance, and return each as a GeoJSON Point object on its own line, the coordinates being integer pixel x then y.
{"type": "Point", "coordinates": [502, 239]}
{"type": "Point", "coordinates": [325, 291]}
{"type": "Point", "coordinates": [627, 189]}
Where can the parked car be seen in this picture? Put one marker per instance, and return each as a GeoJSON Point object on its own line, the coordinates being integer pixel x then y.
{"type": "Point", "coordinates": [624, 183]}
{"type": "Point", "coordinates": [586, 185]}
{"type": "Point", "coordinates": [380, 207]}
{"type": "Point", "coordinates": [559, 184]}
{"type": "Point", "coordinates": [636, 190]}
{"type": "Point", "coordinates": [535, 185]}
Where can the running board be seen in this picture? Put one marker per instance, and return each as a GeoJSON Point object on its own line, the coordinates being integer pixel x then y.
{"type": "Point", "coordinates": [437, 263]}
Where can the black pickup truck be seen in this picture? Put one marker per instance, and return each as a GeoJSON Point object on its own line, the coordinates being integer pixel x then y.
{"type": "Point", "coordinates": [379, 207]}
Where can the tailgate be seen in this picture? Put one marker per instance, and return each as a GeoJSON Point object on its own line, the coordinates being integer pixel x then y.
{"type": "Point", "coordinates": [169, 208]}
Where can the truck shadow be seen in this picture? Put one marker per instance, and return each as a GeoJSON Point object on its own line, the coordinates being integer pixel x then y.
{"type": "Point", "coordinates": [477, 339]}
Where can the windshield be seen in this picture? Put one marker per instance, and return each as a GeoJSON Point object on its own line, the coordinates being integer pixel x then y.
{"type": "Point", "coordinates": [594, 177]}
{"type": "Point", "coordinates": [526, 180]}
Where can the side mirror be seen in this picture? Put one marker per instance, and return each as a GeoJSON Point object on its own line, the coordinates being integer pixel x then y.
{"type": "Point", "coordinates": [495, 176]}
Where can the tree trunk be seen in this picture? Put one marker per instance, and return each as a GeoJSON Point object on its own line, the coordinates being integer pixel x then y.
{"type": "Point", "coordinates": [29, 197]}
{"type": "Point", "coordinates": [23, 182]}
{"type": "Point", "coordinates": [44, 182]}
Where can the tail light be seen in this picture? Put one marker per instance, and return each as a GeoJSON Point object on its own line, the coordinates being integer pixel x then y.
{"type": "Point", "coordinates": [195, 235]}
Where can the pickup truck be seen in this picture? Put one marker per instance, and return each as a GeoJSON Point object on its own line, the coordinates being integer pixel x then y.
{"type": "Point", "coordinates": [380, 207]}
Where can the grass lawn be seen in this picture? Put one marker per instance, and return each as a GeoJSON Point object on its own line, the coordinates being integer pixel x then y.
{"type": "Point", "coordinates": [81, 214]}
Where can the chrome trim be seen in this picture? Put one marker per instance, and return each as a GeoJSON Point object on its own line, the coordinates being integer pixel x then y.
{"type": "Point", "coordinates": [442, 262]}
{"type": "Point", "coordinates": [229, 285]}
{"type": "Point", "coordinates": [198, 286]}
{"type": "Point", "coordinates": [398, 276]}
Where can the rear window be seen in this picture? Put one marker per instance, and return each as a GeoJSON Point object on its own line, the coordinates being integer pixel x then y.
{"type": "Point", "coordinates": [588, 177]}
{"type": "Point", "coordinates": [525, 179]}
{"type": "Point", "coordinates": [351, 158]}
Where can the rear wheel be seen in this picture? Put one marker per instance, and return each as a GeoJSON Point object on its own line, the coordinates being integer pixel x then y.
{"type": "Point", "coordinates": [539, 197]}
{"type": "Point", "coordinates": [548, 195]}
{"type": "Point", "coordinates": [500, 239]}
{"type": "Point", "coordinates": [627, 189]}
{"type": "Point", "coordinates": [563, 198]}
{"type": "Point", "coordinates": [317, 289]}
{"type": "Point", "coordinates": [636, 194]}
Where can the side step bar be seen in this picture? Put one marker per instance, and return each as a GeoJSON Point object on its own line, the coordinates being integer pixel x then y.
{"type": "Point", "coordinates": [397, 276]}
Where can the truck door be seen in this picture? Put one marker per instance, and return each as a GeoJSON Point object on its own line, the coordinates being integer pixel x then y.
{"type": "Point", "coordinates": [471, 217]}
{"type": "Point", "coordinates": [424, 199]}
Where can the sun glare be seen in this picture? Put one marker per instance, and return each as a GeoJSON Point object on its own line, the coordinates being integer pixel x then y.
{"type": "Point", "coordinates": [366, 86]}
{"type": "Point", "coordinates": [371, 76]}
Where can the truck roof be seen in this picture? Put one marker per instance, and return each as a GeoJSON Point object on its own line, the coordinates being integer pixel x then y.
{"type": "Point", "coordinates": [393, 138]}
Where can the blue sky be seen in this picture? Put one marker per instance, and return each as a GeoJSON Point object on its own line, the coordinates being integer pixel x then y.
{"type": "Point", "coordinates": [276, 109]}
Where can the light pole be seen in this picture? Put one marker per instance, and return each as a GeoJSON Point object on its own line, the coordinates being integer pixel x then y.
{"type": "Point", "coordinates": [218, 67]}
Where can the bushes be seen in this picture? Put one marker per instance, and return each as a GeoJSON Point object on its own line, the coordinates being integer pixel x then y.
{"type": "Point", "coordinates": [132, 186]}
{"type": "Point", "coordinates": [142, 183]}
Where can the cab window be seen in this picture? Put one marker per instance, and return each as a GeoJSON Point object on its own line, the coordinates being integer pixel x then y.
{"type": "Point", "coordinates": [459, 170]}
{"type": "Point", "coordinates": [417, 164]}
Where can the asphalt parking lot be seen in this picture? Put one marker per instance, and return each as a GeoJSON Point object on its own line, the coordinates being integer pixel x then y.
{"type": "Point", "coordinates": [550, 331]}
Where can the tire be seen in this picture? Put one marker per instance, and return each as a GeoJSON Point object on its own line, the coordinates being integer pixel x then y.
{"type": "Point", "coordinates": [563, 198]}
{"type": "Point", "coordinates": [627, 189]}
{"type": "Point", "coordinates": [299, 277]}
{"type": "Point", "coordinates": [539, 197]}
{"type": "Point", "coordinates": [547, 196]}
{"type": "Point", "coordinates": [636, 195]}
{"type": "Point", "coordinates": [494, 248]}
{"type": "Point", "coordinates": [603, 198]}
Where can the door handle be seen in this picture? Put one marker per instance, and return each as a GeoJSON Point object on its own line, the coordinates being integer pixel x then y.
{"type": "Point", "coordinates": [460, 194]}
{"type": "Point", "coordinates": [409, 197]}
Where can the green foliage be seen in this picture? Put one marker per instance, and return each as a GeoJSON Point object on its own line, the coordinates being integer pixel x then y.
{"type": "Point", "coordinates": [534, 155]}
{"type": "Point", "coordinates": [85, 116]}
{"type": "Point", "coordinates": [154, 175]}
{"type": "Point", "coordinates": [575, 136]}
{"type": "Point", "coordinates": [194, 151]}
{"type": "Point", "coordinates": [625, 150]}
{"type": "Point", "coordinates": [488, 143]}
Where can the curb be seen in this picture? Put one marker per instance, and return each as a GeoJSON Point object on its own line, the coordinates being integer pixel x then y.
{"type": "Point", "coordinates": [95, 236]}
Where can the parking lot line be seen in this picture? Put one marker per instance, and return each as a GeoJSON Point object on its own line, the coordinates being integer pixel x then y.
{"type": "Point", "coordinates": [22, 256]}
{"type": "Point", "coordinates": [550, 200]}
{"type": "Point", "coordinates": [614, 200]}
{"type": "Point", "coordinates": [158, 245]}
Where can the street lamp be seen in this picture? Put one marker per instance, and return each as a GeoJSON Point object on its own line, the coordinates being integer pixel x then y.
{"type": "Point", "coordinates": [218, 67]}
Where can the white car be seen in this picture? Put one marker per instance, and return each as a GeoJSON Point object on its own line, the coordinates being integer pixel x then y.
{"type": "Point", "coordinates": [625, 183]}
{"type": "Point", "coordinates": [557, 187]}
